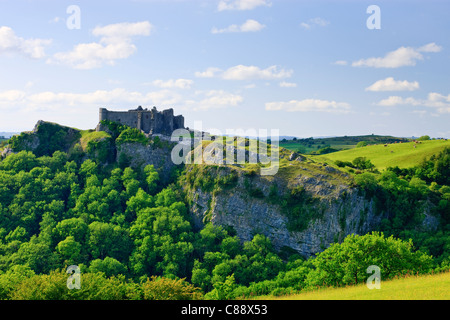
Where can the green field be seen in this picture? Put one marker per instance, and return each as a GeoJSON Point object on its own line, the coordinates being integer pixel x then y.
{"type": "Point", "coordinates": [429, 287]}
{"type": "Point", "coordinates": [313, 145]}
{"type": "Point", "coordinates": [402, 155]}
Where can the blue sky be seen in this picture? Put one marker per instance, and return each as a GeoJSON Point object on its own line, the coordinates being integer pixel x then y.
{"type": "Point", "coordinates": [307, 68]}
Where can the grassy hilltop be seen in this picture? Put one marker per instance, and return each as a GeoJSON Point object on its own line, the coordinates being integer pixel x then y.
{"type": "Point", "coordinates": [403, 155]}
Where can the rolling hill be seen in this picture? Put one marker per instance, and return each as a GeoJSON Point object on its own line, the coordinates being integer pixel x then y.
{"type": "Point", "coordinates": [382, 156]}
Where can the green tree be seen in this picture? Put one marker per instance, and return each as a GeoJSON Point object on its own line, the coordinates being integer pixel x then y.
{"type": "Point", "coordinates": [347, 262]}
{"type": "Point", "coordinates": [109, 266]}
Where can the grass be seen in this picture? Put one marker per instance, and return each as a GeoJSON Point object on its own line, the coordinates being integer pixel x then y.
{"type": "Point", "coordinates": [403, 155]}
{"type": "Point", "coordinates": [427, 287]}
{"type": "Point", "coordinates": [309, 145]}
{"type": "Point", "coordinates": [90, 135]}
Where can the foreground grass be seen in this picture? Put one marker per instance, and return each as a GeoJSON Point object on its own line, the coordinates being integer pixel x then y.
{"type": "Point", "coordinates": [428, 287]}
{"type": "Point", "coordinates": [403, 155]}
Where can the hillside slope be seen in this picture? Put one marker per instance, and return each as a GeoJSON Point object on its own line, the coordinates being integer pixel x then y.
{"type": "Point", "coordinates": [428, 287]}
{"type": "Point", "coordinates": [403, 155]}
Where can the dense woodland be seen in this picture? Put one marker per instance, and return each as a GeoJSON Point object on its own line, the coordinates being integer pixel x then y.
{"type": "Point", "coordinates": [133, 237]}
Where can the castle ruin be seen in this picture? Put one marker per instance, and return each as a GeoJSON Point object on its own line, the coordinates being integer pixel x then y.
{"type": "Point", "coordinates": [149, 121]}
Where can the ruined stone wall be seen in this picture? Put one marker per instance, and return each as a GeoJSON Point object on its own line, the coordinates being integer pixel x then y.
{"type": "Point", "coordinates": [150, 121]}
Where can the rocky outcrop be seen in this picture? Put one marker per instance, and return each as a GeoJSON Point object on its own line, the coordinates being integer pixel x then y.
{"type": "Point", "coordinates": [340, 211]}
{"type": "Point", "coordinates": [139, 155]}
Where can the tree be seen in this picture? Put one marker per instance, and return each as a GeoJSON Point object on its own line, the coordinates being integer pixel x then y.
{"type": "Point", "coordinates": [347, 262]}
{"type": "Point", "coordinates": [108, 240]}
{"type": "Point", "coordinates": [151, 178]}
{"type": "Point", "coordinates": [361, 144]}
{"type": "Point", "coordinates": [70, 251]}
{"type": "Point", "coordinates": [424, 138]}
{"type": "Point", "coordinates": [109, 266]}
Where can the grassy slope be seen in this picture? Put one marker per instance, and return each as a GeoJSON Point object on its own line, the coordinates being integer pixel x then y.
{"type": "Point", "coordinates": [90, 135]}
{"type": "Point", "coordinates": [401, 154]}
{"type": "Point", "coordinates": [428, 287]}
{"type": "Point", "coordinates": [346, 142]}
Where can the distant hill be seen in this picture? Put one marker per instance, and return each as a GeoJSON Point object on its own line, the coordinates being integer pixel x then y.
{"type": "Point", "coordinates": [382, 156]}
{"type": "Point", "coordinates": [313, 145]}
{"type": "Point", "coordinates": [7, 135]}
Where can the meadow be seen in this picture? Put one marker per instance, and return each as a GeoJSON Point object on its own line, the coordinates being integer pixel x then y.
{"type": "Point", "coordinates": [427, 287]}
{"type": "Point", "coordinates": [403, 155]}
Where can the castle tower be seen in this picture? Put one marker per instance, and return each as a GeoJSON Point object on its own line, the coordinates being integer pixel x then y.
{"type": "Point", "coordinates": [103, 114]}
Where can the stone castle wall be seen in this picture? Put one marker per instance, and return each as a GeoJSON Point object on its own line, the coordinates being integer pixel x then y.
{"type": "Point", "coordinates": [150, 121]}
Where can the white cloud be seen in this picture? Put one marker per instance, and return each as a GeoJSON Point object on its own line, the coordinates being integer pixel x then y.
{"type": "Point", "coordinates": [403, 56]}
{"type": "Point", "coordinates": [389, 84]}
{"type": "Point", "coordinates": [314, 22]}
{"type": "Point", "coordinates": [242, 72]}
{"type": "Point", "coordinates": [59, 103]}
{"type": "Point", "coordinates": [341, 63]}
{"type": "Point", "coordinates": [208, 73]}
{"type": "Point", "coordinates": [431, 47]}
{"type": "Point", "coordinates": [7, 98]}
{"type": "Point", "coordinates": [396, 100]}
{"type": "Point", "coordinates": [11, 43]}
{"type": "Point", "coordinates": [178, 83]}
{"type": "Point", "coordinates": [309, 105]}
{"type": "Point", "coordinates": [285, 84]}
{"type": "Point", "coordinates": [115, 43]}
{"type": "Point", "coordinates": [214, 99]}
{"type": "Point", "coordinates": [49, 100]}
{"type": "Point", "coordinates": [242, 4]}
{"type": "Point", "coordinates": [248, 26]}
{"type": "Point", "coordinates": [439, 102]}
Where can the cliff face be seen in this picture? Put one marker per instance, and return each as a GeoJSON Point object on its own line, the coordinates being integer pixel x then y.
{"type": "Point", "coordinates": [138, 155]}
{"type": "Point", "coordinates": [337, 210]}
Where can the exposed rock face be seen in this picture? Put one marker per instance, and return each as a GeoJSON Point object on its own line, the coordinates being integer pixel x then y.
{"type": "Point", "coordinates": [140, 155]}
{"type": "Point", "coordinates": [343, 210]}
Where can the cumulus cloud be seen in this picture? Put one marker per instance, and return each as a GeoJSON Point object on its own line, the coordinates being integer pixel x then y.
{"type": "Point", "coordinates": [178, 83]}
{"type": "Point", "coordinates": [403, 56]}
{"type": "Point", "coordinates": [242, 4]}
{"type": "Point", "coordinates": [49, 100]}
{"type": "Point", "coordinates": [13, 44]}
{"type": "Point", "coordinates": [60, 103]}
{"type": "Point", "coordinates": [115, 43]}
{"type": "Point", "coordinates": [439, 102]}
{"type": "Point", "coordinates": [309, 105]}
{"type": "Point", "coordinates": [389, 84]}
{"type": "Point", "coordinates": [208, 73]}
{"type": "Point", "coordinates": [285, 84]}
{"type": "Point", "coordinates": [314, 22]}
{"type": "Point", "coordinates": [341, 63]}
{"type": "Point", "coordinates": [213, 99]}
{"type": "Point", "coordinates": [241, 72]}
{"type": "Point", "coordinates": [248, 26]}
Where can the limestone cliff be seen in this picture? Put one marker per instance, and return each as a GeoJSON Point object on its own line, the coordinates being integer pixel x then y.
{"type": "Point", "coordinates": [330, 206]}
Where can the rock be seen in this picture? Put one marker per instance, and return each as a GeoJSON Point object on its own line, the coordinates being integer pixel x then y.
{"type": "Point", "coordinates": [142, 155]}
{"type": "Point", "coordinates": [293, 156]}
{"type": "Point", "coordinates": [247, 215]}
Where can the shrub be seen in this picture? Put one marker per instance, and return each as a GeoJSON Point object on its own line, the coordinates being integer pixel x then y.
{"type": "Point", "coordinates": [346, 263]}
{"type": "Point", "coordinates": [132, 135]}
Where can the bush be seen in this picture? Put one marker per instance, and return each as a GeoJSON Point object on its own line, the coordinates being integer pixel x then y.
{"type": "Point", "coordinates": [346, 263]}
{"type": "Point", "coordinates": [159, 288]}
{"type": "Point", "coordinates": [361, 144]}
{"type": "Point", "coordinates": [424, 138]}
{"type": "Point", "coordinates": [132, 135]}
